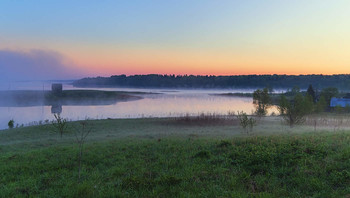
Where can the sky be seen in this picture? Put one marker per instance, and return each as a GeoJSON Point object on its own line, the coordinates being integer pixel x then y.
{"type": "Point", "coordinates": [65, 39]}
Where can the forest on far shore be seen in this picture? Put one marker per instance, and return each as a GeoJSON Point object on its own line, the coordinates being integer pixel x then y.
{"type": "Point", "coordinates": [341, 81]}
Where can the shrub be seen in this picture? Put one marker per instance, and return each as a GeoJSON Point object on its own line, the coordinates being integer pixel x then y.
{"type": "Point", "coordinates": [81, 135]}
{"type": "Point", "coordinates": [204, 119]}
{"type": "Point", "coordinates": [11, 124]}
{"type": "Point", "coordinates": [60, 124]}
{"type": "Point", "coordinates": [246, 123]}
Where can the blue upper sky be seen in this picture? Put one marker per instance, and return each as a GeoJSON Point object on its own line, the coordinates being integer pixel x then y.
{"type": "Point", "coordinates": [150, 22]}
{"type": "Point", "coordinates": [190, 36]}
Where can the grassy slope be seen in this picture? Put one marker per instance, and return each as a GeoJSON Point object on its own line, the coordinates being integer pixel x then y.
{"type": "Point", "coordinates": [162, 158]}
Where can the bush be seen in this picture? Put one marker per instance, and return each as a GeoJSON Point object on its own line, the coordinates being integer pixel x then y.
{"type": "Point", "coordinates": [11, 124]}
{"type": "Point", "coordinates": [246, 123]}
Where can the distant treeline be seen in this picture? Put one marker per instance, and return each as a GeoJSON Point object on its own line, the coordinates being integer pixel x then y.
{"type": "Point", "coordinates": [341, 81]}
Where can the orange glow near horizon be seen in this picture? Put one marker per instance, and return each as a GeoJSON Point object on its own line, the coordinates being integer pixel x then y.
{"type": "Point", "coordinates": [130, 62]}
{"type": "Point", "coordinates": [291, 60]}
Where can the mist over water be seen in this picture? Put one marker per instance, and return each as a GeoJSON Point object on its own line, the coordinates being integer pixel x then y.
{"type": "Point", "coordinates": [166, 103]}
{"type": "Point", "coordinates": [35, 64]}
{"type": "Point", "coordinates": [33, 85]}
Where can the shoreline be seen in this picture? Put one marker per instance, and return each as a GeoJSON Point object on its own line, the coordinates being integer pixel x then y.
{"type": "Point", "coordinates": [26, 98]}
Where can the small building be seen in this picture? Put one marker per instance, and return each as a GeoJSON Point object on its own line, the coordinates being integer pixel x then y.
{"type": "Point", "coordinates": [341, 102]}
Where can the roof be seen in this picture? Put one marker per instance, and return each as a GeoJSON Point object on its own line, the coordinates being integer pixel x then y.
{"type": "Point", "coordinates": [343, 102]}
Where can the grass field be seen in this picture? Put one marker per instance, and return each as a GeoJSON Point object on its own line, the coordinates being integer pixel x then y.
{"type": "Point", "coordinates": [174, 158]}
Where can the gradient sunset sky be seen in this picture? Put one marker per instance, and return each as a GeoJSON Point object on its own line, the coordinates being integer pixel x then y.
{"type": "Point", "coordinates": [103, 38]}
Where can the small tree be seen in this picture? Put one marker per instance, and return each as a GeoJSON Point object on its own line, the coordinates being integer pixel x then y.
{"type": "Point", "coordinates": [294, 111]}
{"type": "Point", "coordinates": [59, 124]}
{"type": "Point", "coordinates": [246, 123]}
{"type": "Point", "coordinates": [81, 134]}
{"type": "Point", "coordinates": [11, 124]}
{"type": "Point", "coordinates": [262, 101]}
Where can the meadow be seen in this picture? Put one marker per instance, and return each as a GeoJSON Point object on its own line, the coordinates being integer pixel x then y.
{"type": "Point", "coordinates": [199, 156]}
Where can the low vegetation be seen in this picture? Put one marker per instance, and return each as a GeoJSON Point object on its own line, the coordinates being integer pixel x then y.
{"type": "Point", "coordinates": [206, 119]}
{"type": "Point", "coordinates": [245, 122]}
{"type": "Point", "coordinates": [11, 124]}
{"type": "Point", "coordinates": [81, 133]}
{"type": "Point", "coordinates": [189, 156]}
{"type": "Point", "coordinates": [153, 158]}
{"type": "Point", "coordinates": [59, 124]}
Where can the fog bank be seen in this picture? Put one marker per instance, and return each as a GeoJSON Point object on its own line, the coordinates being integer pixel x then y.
{"type": "Point", "coordinates": [35, 64]}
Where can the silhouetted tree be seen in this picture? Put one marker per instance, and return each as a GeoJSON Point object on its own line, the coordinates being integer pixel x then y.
{"type": "Point", "coordinates": [275, 81]}
{"type": "Point", "coordinates": [294, 111]}
{"type": "Point", "coordinates": [262, 101]}
{"type": "Point", "coordinates": [312, 93]}
{"type": "Point", "coordinates": [328, 93]}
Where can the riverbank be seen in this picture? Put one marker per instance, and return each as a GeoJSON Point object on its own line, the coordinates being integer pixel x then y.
{"type": "Point", "coordinates": [23, 98]}
{"type": "Point", "coordinates": [167, 158]}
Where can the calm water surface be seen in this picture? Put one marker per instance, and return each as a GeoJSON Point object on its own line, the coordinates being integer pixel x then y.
{"type": "Point", "coordinates": [168, 103]}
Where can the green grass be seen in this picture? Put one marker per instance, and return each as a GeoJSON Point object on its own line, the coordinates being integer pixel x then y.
{"type": "Point", "coordinates": [162, 158]}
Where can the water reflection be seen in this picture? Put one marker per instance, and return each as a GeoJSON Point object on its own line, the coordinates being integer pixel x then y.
{"type": "Point", "coordinates": [56, 109]}
{"type": "Point", "coordinates": [167, 104]}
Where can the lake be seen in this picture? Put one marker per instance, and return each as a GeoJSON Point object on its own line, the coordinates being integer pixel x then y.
{"type": "Point", "coordinates": [166, 103]}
